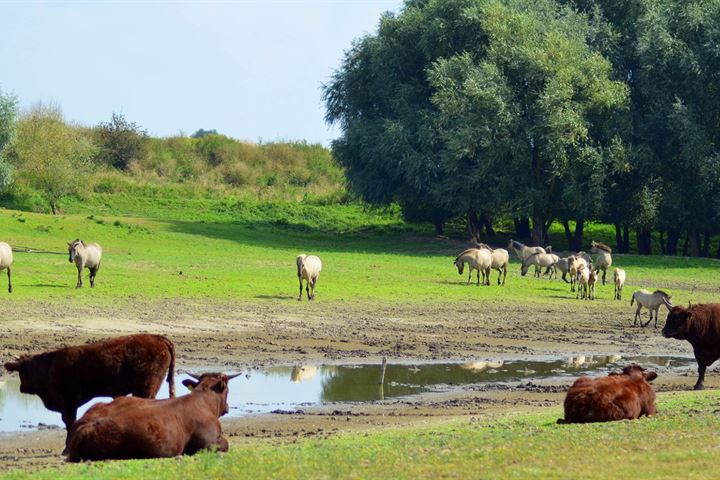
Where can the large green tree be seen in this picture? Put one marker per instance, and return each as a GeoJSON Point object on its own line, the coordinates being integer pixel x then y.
{"type": "Point", "coordinates": [483, 107]}
{"type": "Point", "coordinates": [8, 114]}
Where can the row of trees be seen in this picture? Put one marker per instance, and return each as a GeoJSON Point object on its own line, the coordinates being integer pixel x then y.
{"type": "Point", "coordinates": [539, 111]}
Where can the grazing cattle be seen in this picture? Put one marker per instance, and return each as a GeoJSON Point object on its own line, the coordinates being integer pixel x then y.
{"type": "Point", "coordinates": [699, 325]}
{"type": "Point", "coordinates": [6, 260]}
{"type": "Point", "coordinates": [66, 378]}
{"type": "Point", "coordinates": [651, 301]}
{"type": "Point", "coordinates": [604, 259]}
{"type": "Point", "coordinates": [478, 259]}
{"type": "Point", "coordinates": [85, 256]}
{"type": "Point", "coordinates": [619, 279]}
{"type": "Point", "coordinates": [131, 427]}
{"type": "Point", "coordinates": [308, 268]}
{"type": "Point", "coordinates": [619, 396]}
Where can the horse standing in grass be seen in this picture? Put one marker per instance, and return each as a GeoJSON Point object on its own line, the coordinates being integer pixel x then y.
{"type": "Point", "coordinates": [478, 259]}
{"type": "Point", "coordinates": [308, 269]}
{"type": "Point", "coordinates": [540, 260]}
{"type": "Point", "coordinates": [500, 261]}
{"type": "Point", "coordinates": [604, 259]}
{"type": "Point", "coordinates": [6, 260]}
{"type": "Point", "coordinates": [85, 256]}
{"type": "Point", "coordinates": [619, 280]}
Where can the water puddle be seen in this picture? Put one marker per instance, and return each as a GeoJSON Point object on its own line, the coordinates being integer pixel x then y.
{"type": "Point", "coordinates": [287, 388]}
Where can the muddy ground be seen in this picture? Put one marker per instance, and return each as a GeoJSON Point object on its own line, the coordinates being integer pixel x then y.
{"type": "Point", "coordinates": [232, 336]}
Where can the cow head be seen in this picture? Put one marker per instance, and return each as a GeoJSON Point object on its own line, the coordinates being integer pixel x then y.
{"type": "Point", "coordinates": [213, 382]}
{"type": "Point", "coordinates": [637, 372]}
{"type": "Point", "coordinates": [678, 323]}
{"type": "Point", "coordinates": [33, 375]}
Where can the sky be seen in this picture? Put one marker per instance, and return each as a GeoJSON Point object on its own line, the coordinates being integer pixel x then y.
{"type": "Point", "coordinates": [252, 70]}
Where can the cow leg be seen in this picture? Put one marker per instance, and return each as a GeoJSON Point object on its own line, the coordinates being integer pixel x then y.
{"type": "Point", "coordinates": [699, 385]}
{"type": "Point", "coordinates": [9, 281]}
{"type": "Point", "coordinates": [68, 417]}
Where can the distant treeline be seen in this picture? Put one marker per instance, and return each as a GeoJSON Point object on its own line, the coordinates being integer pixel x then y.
{"type": "Point", "coordinates": [43, 156]}
{"type": "Point", "coordinates": [540, 111]}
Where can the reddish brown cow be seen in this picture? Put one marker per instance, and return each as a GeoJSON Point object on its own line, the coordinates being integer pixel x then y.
{"type": "Point", "coordinates": [619, 396]}
{"type": "Point", "coordinates": [67, 378]}
{"type": "Point", "coordinates": [130, 427]}
{"type": "Point", "coordinates": [699, 325]}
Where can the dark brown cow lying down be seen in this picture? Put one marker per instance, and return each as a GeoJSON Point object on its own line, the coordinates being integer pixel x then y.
{"type": "Point", "coordinates": [699, 325]}
{"type": "Point", "coordinates": [67, 378]}
{"type": "Point", "coordinates": [619, 396]}
{"type": "Point", "coordinates": [131, 427]}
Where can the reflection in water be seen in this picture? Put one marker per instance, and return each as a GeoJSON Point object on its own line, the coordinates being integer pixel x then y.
{"type": "Point", "coordinates": [268, 389]}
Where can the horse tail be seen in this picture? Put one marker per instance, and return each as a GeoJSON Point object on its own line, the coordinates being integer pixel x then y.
{"type": "Point", "coordinates": [171, 368]}
{"type": "Point", "coordinates": [632, 299]}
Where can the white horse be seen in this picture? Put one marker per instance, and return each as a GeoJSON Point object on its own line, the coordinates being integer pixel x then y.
{"type": "Point", "coordinates": [85, 256]}
{"type": "Point", "coordinates": [540, 260]}
{"type": "Point", "coordinates": [500, 261]}
{"type": "Point", "coordinates": [308, 269]}
{"type": "Point", "coordinates": [651, 301]}
{"type": "Point", "coordinates": [619, 280]}
{"type": "Point", "coordinates": [478, 259]}
{"type": "Point", "coordinates": [6, 260]}
{"type": "Point", "coordinates": [604, 257]}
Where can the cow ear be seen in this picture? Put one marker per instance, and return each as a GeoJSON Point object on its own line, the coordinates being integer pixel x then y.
{"type": "Point", "coordinates": [12, 366]}
{"type": "Point", "coordinates": [189, 384]}
{"type": "Point", "coordinates": [650, 376]}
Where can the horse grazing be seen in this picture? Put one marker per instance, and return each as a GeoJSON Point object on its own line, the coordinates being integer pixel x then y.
{"type": "Point", "coordinates": [308, 269]}
{"type": "Point", "coordinates": [85, 256]}
{"type": "Point", "coordinates": [6, 260]}
{"type": "Point", "coordinates": [500, 261]}
{"type": "Point", "coordinates": [478, 259]}
{"type": "Point", "coordinates": [540, 260]}
{"type": "Point", "coordinates": [619, 279]}
{"type": "Point", "coordinates": [652, 302]}
{"type": "Point", "coordinates": [604, 259]}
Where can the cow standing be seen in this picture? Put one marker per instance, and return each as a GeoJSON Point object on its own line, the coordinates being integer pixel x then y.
{"type": "Point", "coordinates": [67, 378]}
{"type": "Point", "coordinates": [699, 325]}
{"type": "Point", "coordinates": [619, 396]}
{"type": "Point", "coordinates": [130, 427]}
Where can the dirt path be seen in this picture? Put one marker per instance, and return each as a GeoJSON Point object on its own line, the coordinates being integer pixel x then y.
{"type": "Point", "coordinates": [230, 336]}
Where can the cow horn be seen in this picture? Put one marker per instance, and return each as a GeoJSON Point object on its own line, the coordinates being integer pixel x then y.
{"type": "Point", "coordinates": [196, 377]}
{"type": "Point", "coordinates": [689, 304]}
{"type": "Point", "coordinates": [230, 377]}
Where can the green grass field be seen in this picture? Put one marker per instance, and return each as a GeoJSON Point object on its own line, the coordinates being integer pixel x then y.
{"type": "Point", "coordinates": [680, 442]}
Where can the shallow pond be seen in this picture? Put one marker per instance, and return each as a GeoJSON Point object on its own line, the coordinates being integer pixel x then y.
{"type": "Point", "coordinates": [267, 389]}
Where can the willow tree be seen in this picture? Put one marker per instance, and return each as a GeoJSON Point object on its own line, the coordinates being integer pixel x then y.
{"type": "Point", "coordinates": [479, 107]}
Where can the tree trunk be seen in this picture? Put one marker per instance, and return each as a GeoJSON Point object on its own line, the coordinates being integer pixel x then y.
{"type": "Point", "coordinates": [439, 226]}
{"type": "Point", "coordinates": [626, 239]}
{"type": "Point", "coordinates": [644, 241]}
{"type": "Point", "coordinates": [694, 237]}
{"type": "Point", "coordinates": [618, 237]}
{"type": "Point", "coordinates": [522, 227]}
{"type": "Point", "coordinates": [685, 246]}
{"type": "Point", "coordinates": [53, 207]}
{"type": "Point", "coordinates": [474, 225]}
{"type": "Point", "coordinates": [539, 232]}
{"type": "Point", "coordinates": [568, 234]}
{"type": "Point", "coordinates": [662, 242]}
{"type": "Point", "coordinates": [488, 225]}
{"type": "Point", "coordinates": [578, 240]}
{"type": "Point", "coordinates": [673, 237]}
{"type": "Point", "coordinates": [706, 244]}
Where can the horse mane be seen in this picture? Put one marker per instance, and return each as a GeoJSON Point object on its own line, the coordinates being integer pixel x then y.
{"type": "Point", "coordinates": [517, 244]}
{"type": "Point", "coordinates": [664, 294]}
{"type": "Point", "coordinates": [464, 252]}
{"type": "Point", "coordinates": [485, 246]}
{"type": "Point", "coordinates": [602, 246]}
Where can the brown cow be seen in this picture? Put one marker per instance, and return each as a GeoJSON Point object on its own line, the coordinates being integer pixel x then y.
{"type": "Point", "coordinates": [67, 378]}
{"type": "Point", "coordinates": [699, 325]}
{"type": "Point", "coordinates": [131, 427]}
{"type": "Point", "coordinates": [619, 396]}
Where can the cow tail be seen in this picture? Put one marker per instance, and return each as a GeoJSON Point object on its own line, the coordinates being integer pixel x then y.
{"type": "Point", "coordinates": [171, 368]}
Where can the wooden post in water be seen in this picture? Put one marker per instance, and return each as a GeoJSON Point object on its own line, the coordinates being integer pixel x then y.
{"type": "Point", "coordinates": [382, 378]}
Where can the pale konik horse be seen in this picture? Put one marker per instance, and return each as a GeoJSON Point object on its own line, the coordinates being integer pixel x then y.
{"type": "Point", "coordinates": [85, 256]}
{"type": "Point", "coordinates": [500, 261]}
{"type": "Point", "coordinates": [6, 260]}
{"type": "Point", "coordinates": [308, 269]}
{"type": "Point", "coordinates": [604, 258]}
{"type": "Point", "coordinates": [478, 259]}
{"type": "Point", "coordinates": [540, 260]}
{"type": "Point", "coordinates": [651, 301]}
{"type": "Point", "coordinates": [619, 280]}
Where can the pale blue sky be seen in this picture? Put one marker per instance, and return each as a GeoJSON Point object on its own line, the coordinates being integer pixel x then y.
{"type": "Point", "coordinates": [250, 69]}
